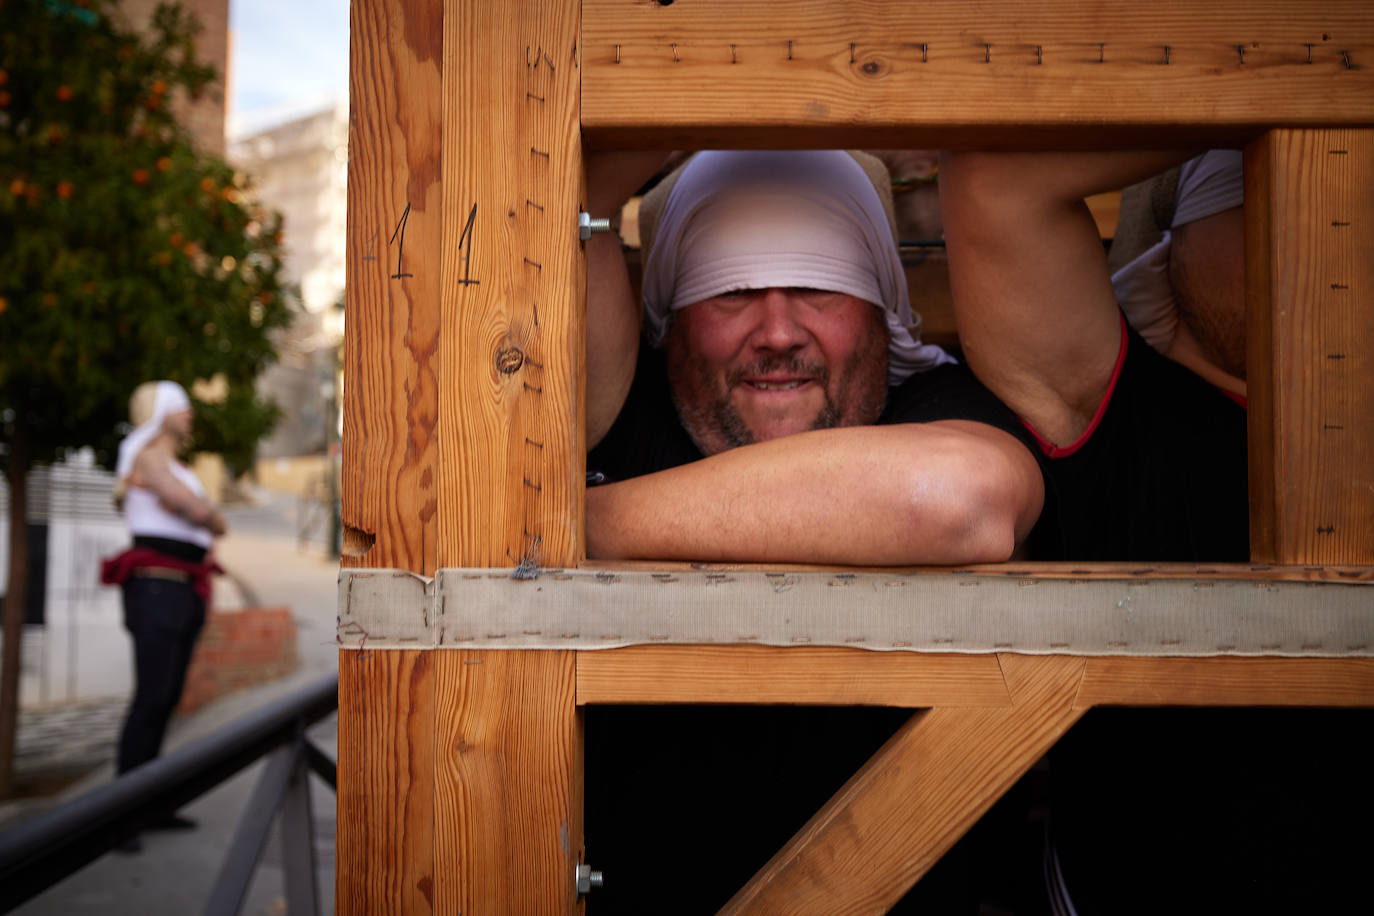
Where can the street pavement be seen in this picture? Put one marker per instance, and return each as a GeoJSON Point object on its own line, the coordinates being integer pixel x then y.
{"type": "Point", "coordinates": [174, 872]}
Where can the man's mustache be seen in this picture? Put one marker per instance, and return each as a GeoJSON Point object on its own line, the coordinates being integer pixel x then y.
{"type": "Point", "coordinates": [786, 365]}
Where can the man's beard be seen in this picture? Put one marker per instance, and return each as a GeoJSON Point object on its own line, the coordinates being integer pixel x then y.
{"type": "Point", "coordinates": [715, 424]}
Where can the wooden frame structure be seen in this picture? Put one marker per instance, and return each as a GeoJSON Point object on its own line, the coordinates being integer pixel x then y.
{"type": "Point", "coordinates": [460, 769]}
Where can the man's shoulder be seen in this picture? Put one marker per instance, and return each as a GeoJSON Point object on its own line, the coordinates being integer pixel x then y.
{"type": "Point", "coordinates": [946, 392]}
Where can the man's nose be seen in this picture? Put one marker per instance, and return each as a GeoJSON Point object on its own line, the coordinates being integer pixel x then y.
{"type": "Point", "coordinates": [778, 327]}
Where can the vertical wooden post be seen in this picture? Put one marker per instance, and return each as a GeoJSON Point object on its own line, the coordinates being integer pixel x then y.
{"type": "Point", "coordinates": [385, 847]}
{"type": "Point", "coordinates": [507, 804]}
{"type": "Point", "coordinates": [1310, 284]}
{"type": "Point", "coordinates": [384, 852]}
{"type": "Point", "coordinates": [460, 779]}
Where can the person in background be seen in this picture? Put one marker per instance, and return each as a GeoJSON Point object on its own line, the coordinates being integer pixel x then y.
{"type": "Point", "coordinates": [165, 574]}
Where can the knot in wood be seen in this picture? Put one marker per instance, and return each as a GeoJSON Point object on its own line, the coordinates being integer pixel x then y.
{"type": "Point", "coordinates": [509, 360]}
{"type": "Point", "coordinates": [872, 68]}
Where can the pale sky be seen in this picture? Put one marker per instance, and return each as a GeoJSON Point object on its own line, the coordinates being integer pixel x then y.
{"type": "Point", "coordinates": [287, 57]}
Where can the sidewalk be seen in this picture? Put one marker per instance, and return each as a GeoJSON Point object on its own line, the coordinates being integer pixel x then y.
{"type": "Point", "coordinates": [175, 871]}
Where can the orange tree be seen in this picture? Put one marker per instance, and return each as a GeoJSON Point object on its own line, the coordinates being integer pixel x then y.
{"type": "Point", "coordinates": [125, 255]}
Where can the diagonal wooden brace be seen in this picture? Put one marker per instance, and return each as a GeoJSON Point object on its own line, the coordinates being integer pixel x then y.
{"type": "Point", "coordinates": [913, 800]}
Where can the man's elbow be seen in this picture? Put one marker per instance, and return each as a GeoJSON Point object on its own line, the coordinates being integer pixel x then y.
{"type": "Point", "coordinates": [970, 518]}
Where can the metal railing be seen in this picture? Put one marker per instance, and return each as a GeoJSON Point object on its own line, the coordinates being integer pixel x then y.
{"type": "Point", "coordinates": [42, 851]}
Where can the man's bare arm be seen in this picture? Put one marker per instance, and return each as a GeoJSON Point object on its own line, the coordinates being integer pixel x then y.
{"type": "Point", "coordinates": [1037, 318]}
{"type": "Point", "coordinates": [613, 313]}
{"type": "Point", "coordinates": [946, 492]}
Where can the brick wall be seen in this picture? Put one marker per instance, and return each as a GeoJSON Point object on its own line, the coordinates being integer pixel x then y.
{"type": "Point", "coordinates": [239, 649]}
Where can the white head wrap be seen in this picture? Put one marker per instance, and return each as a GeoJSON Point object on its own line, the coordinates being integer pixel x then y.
{"type": "Point", "coordinates": [171, 398]}
{"type": "Point", "coordinates": [758, 219]}
{"type": "Point", "coordinates": [1208, 184]}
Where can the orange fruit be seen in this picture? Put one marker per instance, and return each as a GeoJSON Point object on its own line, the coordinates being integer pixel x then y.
{"type": "Point", "coordinates": [190, 249]}
{"type": "Point", "coordinates": [164, 258]}
{"type": "Point", "coordinates": [49, 300]}
{"type": "Point", "coordinates": [64, 189]}
{"type": "Point", "coordinates": [4, 99]}
{"type": "Point", "coordinates": [164, 163]}
{"type": "Point", "coordinates": [175, 239]}
{"type": "Point", "coordinates": [54, 134]}
{"type": "Point", "coordinates": [4, 305]}
{"type": "Point", "coordinates": [17, 187]}
{"type": "Point", "coordinates": [140, 176]}
{"type": "Point", "coordinates": [64, 93]}
{"type": "Point", "coordinates": [207, 184]}
{"type": "Point", "coordinates": [159, 87]}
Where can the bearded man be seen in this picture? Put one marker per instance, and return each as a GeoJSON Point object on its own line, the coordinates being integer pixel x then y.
{"type": "Point", "coordinates": [780, 394]}
{"type": "Point", "coordinates": [779, 408]}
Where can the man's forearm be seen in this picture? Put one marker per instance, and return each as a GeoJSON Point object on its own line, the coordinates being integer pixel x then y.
{"type": "Point", "coordinates": [941, 493]}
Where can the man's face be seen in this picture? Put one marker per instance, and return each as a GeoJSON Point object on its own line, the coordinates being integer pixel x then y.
{"type": "Point", "coordinates": [179, 423]}
{"type": "Point", "coordinates": [755, 365]}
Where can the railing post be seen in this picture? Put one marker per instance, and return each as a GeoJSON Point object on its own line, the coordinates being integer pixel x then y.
{"type": "Point", "coordinates": [298, 839]}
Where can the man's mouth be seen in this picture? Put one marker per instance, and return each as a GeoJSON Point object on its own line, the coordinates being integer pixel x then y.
{"type": "Point", "coordinates": [789, 384]}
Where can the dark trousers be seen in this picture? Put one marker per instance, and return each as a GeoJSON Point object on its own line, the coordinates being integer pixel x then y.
{"type": "Point", "coordinates": [164, 617]}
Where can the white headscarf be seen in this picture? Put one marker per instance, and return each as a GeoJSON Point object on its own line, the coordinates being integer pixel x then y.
{"type": "Point", "coordinates": [171, 398]}
{"type": "Point", "coordinates": [758, 219]}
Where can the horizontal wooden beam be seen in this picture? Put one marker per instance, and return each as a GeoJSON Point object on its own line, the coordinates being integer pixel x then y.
{"type": "Point", "coordinates": [830, 676]}
{"type": "Point", "coordinates": [1227, 682]}
{"type": "Point", "coordinates": [760, 675]}
{"type": "Point", "coordinates": [943, 74]}
{"type": "Point", "coordinates": [1205, 572]}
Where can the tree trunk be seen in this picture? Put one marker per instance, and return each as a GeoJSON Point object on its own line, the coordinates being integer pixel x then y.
{"type": "Point", "coordinates": [16, 600]}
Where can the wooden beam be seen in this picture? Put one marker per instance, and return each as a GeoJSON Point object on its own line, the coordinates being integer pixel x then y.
{"type": "Point", "coordinates": [512, 453]}
{"type": "Point", "coordinates": [391, 292]}
{"type": "Point", "coordinates": [508, 768]}
{"type": "Point", "coordinates": [852, 677]}
{"type": "Point", "coordinates": [801, 675]}
{"type": "Point", "coordinates": [1212, 572]}
{"type": "Point", "coordinates": [1310, 292]}
{"type": "Point", "coordinates": [943, 74]}
{"type": "Point", "coordinates": [894, 819]}
{"type": "Point", "coordinates": [1228, 682]}
{"type": "Point", "coordinates": [385, 843]}
{"type": "Point", "coordinates": [508, 794]}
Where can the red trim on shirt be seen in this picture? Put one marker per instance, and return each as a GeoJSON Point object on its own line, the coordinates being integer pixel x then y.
{"type": "Point", "coordinates": [1238, 398]}
{"type": "Point", "coordinates": [1056, 451]}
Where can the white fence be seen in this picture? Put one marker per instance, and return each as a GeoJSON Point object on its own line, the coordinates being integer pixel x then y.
{"type": "Point", "coordinates": [81, 650]}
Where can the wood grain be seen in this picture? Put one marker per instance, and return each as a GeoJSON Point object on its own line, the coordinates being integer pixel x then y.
{"type": "Point", "coordinates": [385, 844]}
{"type": "Point", "coordinates": [507, 801]}
{"type": "Point", "coordinates": [1039, 570]}
{"type": "Point", "coordinates": [936, 75]}
{"type": "Point", "coordinates": [1228, 682]}
{"type": "Point", "coordinates": [1310, 276]}
{"type": "Point", "coordinates": [512, 455]}
{"type": "Point", "coordinates": [803, 675]}
{"type": "Point", "coordinates": [395, 224]}
{"type": "Point", "coordinates": [894, 819]}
